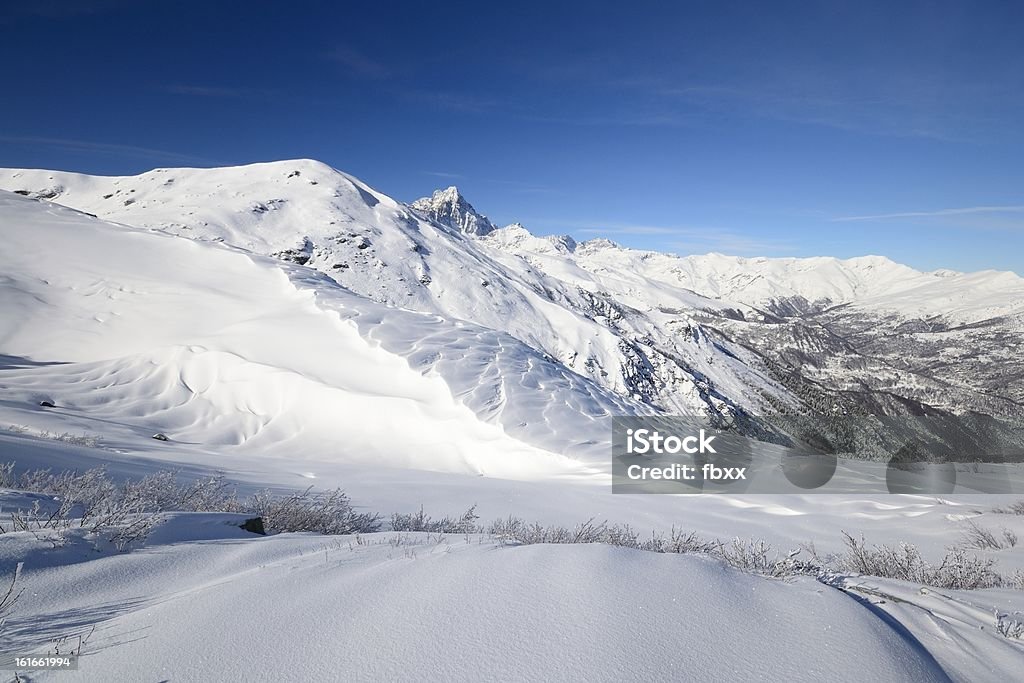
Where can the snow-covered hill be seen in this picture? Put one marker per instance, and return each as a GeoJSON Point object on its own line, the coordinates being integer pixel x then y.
{"type": "Point", "coordinates": [305, 212]}
{"type": "Point", "coordinates": [286, 325]}
{"type": "Point", "coordinates": [713, 334]}
{"type": "Point", "coordinates": [405, 607]}
{"type": "Point", "coordinates": [153, 333]}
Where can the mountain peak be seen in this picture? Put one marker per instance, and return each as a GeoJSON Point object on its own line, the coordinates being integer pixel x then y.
{"type": "Point", "coordinates": [450, 193]}
{"type": "Point", "coordinates": [450, 208]}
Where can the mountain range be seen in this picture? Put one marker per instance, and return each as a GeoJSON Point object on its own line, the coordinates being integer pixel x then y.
{"type": "Point", "coordinates": [540, 335]}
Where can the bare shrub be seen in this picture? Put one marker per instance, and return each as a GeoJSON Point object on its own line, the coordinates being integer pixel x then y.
{"type": "Point", "coordinates": [758, 556]}
{"type": "Point", "coordinates": [7, 478]}
{"type": "Point", "coordinates": [420, 521]}
{"type": "Point", "coordinates": [1010, 626]}
{"type": "Point", "coordinates": [981, 538]}
{"type": "Point", "coordinates": [957, 570]}
{"type": "Point", "coordinates": [161, 491]}
{"type": "Point", "coordinates": [680, 542]}
{"type": "Point", "coordinates": [35, 519]}
{"type": "Point", "coordinates": [87, 440]}
{"type": "Point", "coordinates": [1011, 509]}
{"type": "Point", "coordinates": [90, 500]}
{"type": "Point", "coordinates": [10, 596]}
{"type": "Point", "coordinates": [328, 512]}
{"type": "Point", "coordinates": [516, 530]}
{"type": "Point", "coordinates": [126, 513]}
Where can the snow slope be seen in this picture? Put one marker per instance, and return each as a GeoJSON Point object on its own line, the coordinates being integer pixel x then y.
{"type": "Point", "coordinates": [730, 338]}
{"type": "Point", "coordinates": [277, 375]}
{"type": "Point", "coordinates": [224, 348]}
{"type": "Point", "coordinates": [457, 609]}
{"type": "Point", "coordinates": [712, 334]}
{"type": "Point", "coordinates": [428, 259]}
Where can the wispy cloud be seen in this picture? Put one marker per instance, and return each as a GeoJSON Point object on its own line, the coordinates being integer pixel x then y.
{"type": "Point", "coordinates": [358, 64]}
{"type": "Point", "coordinates": [967, 210]}
{"type": "Point", "coordinates": [214, 91]}
{"type": "Point", "coordinates": [878, 98]}
{"type": "Point", "coordinates": [888, 106]}
{"type": "Point", "coordinates": [64, 9]}
{"type": "Point", "coordinates": [626, 119]}
{"type": "Point", "coordinates": [449, 101]}
{"type": "Point", "coordinates": [442, 174]}
{"type": "Point", "coordinates": [520, 186]}
{"type": "Point", "coordinates": [89, 147]}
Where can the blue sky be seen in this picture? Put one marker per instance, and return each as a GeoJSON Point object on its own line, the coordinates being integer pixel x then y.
{"type": "Point", "coordinates": [776, 129]}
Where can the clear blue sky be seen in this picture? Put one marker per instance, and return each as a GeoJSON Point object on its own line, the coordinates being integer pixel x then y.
{"type": "Point", "coordinates": [805, 128]}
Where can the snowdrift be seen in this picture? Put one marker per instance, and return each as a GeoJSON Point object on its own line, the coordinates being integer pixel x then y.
{"type": "Point", "coordinates": [137, 329]}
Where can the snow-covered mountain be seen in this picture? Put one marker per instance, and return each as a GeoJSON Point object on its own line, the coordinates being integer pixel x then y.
{"type": "Point", "coordinates": [286, 325]}
{"type": "Point", "coordinates": [450, 208]}
{"type": "Point", "coordinates": [307, 213]}
{"type": "Point", "coordinates": [732, 338]}
{"type": "Point", "coordinates": [135, 332]}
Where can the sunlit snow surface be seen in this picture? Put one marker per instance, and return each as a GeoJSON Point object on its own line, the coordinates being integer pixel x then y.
{"type": "Point", "coordinates": [278, 377]}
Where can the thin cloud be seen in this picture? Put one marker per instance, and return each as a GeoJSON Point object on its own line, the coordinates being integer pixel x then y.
{"type": "Point", "coordinates": [449, 101]}
{"type": "Point", "coordinates": [63, 9]}
{"type": "Point", "coordinates": [519, 186]}
{"type": "Point", "coordinates": [863, 98]}
{"type": "Point", "coordinates": [213, 91]}
{"type": "Point", "coordinates": [624, 120]}
{"type": "Point", "coordinates": [442, 174]}
{"type": "Point", "coordinates": [359, 65]}
{"type": "Point", "coordinates": [86, 146]}
{"type": "Point", "coordinates": [968, 210]}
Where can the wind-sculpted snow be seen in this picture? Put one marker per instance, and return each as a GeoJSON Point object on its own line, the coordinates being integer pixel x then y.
{"type": "Point", "coordinates": [502, 380]}
{"type": "Point", "coordinates": [211, 345]}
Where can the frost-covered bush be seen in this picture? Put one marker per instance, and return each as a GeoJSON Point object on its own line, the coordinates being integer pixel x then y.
{"type": "Point", "coordinates": [979, 537]}
{"type": "Point", "coordinates": [1010, 626]}
{"type": "Point", "coordinates": [90, 500]}
{"type": "Point", "coordinates": [161, 491]}
{"type": "Point", "coordinates": [753, 555]}
{"type": "Point", "coordinates": [7, 478]}
{"type": "Point", "coordinates": [1011, 509]}
{"type": "Point", "coordinates": [681, 542]}
{"type": "Point", "coordinates": [420, 521]}
{"type": "Point", "coordinates": [88, 440]}
{"type": "Point", "coordinates": [957, 570]}
{"type": "Point", "coordinates": [758, 557]}
{"type": "Point", "coordinates": [128, 511]}
{"type": "Point", "coordinates": [518, 531]}
{"type": "Point", "coordinates": [326, 512]}
{"type": "Point", "coordinates": [10, 596]}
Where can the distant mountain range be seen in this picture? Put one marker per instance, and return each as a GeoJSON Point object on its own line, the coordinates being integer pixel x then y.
{"type": "Point", "coordinates": [738, 340]}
